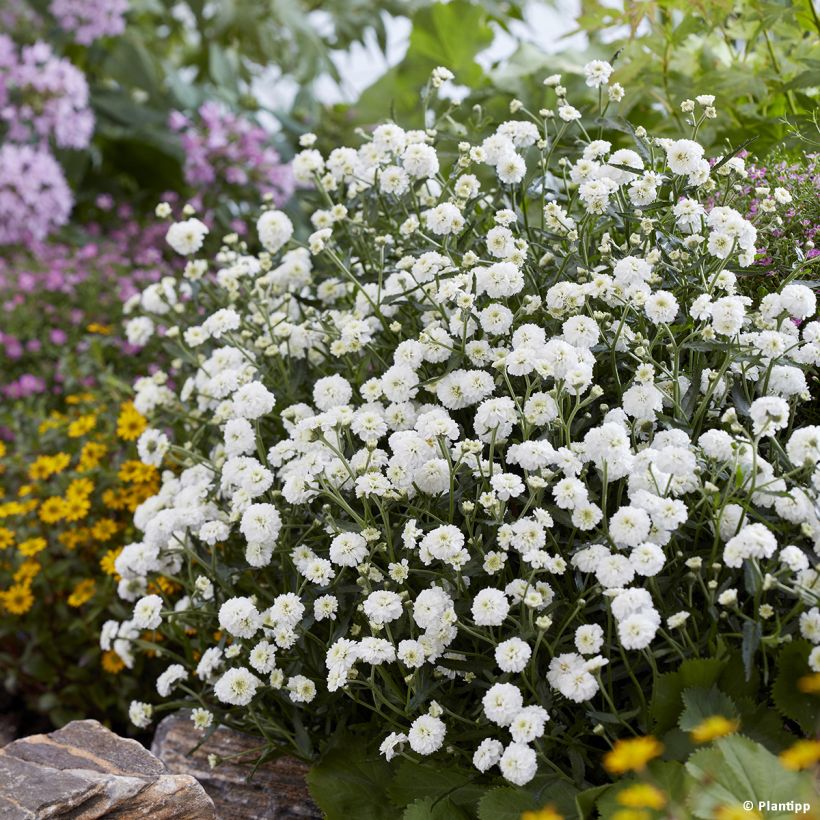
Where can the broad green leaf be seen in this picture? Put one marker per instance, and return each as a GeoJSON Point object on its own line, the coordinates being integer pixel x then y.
{"type": "Point", "coordinates": [415, 780]}
{"type": "Point", "coordinates": [700, 703]}
{"type": "Point", "coordinates": [736, 769]}
{"type": "Point", "coordinates": [803, 708]}
{"type": "Point", "coordinates": [428, 808]}
{"type": "Point", "coordinates": [667, 702]}
{"type": "Point", "coordinates": [506, 803]}
{"type": "Point", "coordinates": [351, 781]}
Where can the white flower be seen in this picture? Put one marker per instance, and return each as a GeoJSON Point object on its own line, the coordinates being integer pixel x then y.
{"type": "Point", "coordinates": [239, 617]}
{"type": "Point", "coordinates": [502, 702]}
{"type": "Point", "coordinates": [169, 678]}
{"type": "Point", "coordinates": [589, 639]}
{"type": "Point", "coordinates": [301, 689]}
{"type": "Point", "coordinates": [147, 612]}
{"type": "Point", "coordinates": [252, 401]}
{"type": "Point", "coordinates": [637, 631]}
{"type": "Point", "coordinates": [140, 714]}
{"type": "Point", "coordinates": [753, 541]}
{"type": "Point", "coordinates": [426, 734]}
{"type": "Point", "coordinates": [391, 745]}
{"type": "Point", "coordinates": [512, 655]}
{"type": "Point", "coordinates": [275, 230]}
{"type": "Point", "coordinates": [487, 754]}
{"type": "Point", "coordinates": [152, 446]}
{"type": "Point", "coordinates": [490, 607]}
{"type": "Point", "coordinates": [382, 606]}
{"type": "Point", "coordinates": [139, 331]}
{"type": "Point", "coordinates": [186, 237]}
{"type": "Point", "coordinates": [597, 73]}
{"type": "Point", "coordinates": [237, 687]}
{"type": "Point", "coordinates": [683, 156]}
{"type": "Point", "coordinates": [348, 549]}
{"type": "Point", "coordinates": [518, 764]}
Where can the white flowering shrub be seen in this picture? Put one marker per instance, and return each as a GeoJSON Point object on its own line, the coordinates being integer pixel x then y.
{"type": "Point", "coordinates": [481, 457]}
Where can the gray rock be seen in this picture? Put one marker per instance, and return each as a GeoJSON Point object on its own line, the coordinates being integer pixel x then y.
{"type": "Point", "coordinates": [277, 790]}
{"type": "Point", "coordinates": [84, 771]}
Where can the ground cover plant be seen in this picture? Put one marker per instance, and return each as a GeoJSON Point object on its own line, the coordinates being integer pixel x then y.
{"type": "Point", "coordinates": [494, 470]}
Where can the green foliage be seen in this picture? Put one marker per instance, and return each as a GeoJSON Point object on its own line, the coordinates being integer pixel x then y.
{"type": "Point", "coordinates": [700, 703]}
{"type": "Point", "coordinates": [669, 688]}
{"type": "Point", "coordinates": [351, 780]}
{"type": "Point", "coordinates": [790, 700]}
{"type": "Point", "coordinates": [734, 770]}
{"type": "Point", "coordinates": [758, 57]}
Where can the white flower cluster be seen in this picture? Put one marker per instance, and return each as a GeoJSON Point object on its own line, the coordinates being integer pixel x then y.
{"type": "Point", "coordinates": [498, 428]}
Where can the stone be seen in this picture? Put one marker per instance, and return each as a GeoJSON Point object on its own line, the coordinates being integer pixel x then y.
{"type": "Point", "coordinates": [276, 791]}
{"type": "Point", "coordinates": [84, 771]}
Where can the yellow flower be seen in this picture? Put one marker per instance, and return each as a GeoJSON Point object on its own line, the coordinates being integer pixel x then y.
{"type": "Point", "coordinates": [631, 814]}
{"type": "Point", "coordinates": [11, 508]}
{"type": "Point", "coordinates": [83, 592]}
{"type": "Point", "coordinates": [76, 508]}
{"type": "Point", "coordinates": [72, 538]}
{"type": "Point", "coordinates": [137, 472]}
{"type": "Point", "coordinates": [6, 538]}
{"type": "Point", "coordinates": [164, 585]}
{"type": "Point", "coordinates": [80, 488]}
{"type": "Point", "coordinates": [547, 813]}
{"type": "Point", "coordinates": [17, 599]}
{"type": "Point", "coordinates": [712, 728]}
{"type": "Point", "coordinates": [90, 456]}
{"type": "Point", "coordinates": [102, 330]}
{"type": "Point", "coordinates": [809, 684]}
{"type": "Point", "coordinates": [114, 499]}
{"type": "Point", "coordinates": [736, 813]}
{"type": "Point", "coordinates": [82, 425]}
{"type": "Point", "coordinates": [632, 754]}
{"type": "Point", "coordinates": [801, 755]}
{"type": "Point", "coordinates": [104, 529]}
{"type": "Point", "coordinates": [107, 561]}
{"type": "Point", "coordinates": [31, 546]}
{"type": "Point", "coordinates": [130, 423]}
{"type": "Point", "coordinates": [642, 796]}
{"type": "Point", "coordinates": [26, 572]}
{"type": "Point", "coordinates": [40, 468]}
{"type": "Point", "coordinates": [52, 510]}
{"type": "Point", "coordinates": [79, 398]}
{"type": "Point", "coordinates": [2, 449]}
{"type": "Point", "coordinates": [112, 662]}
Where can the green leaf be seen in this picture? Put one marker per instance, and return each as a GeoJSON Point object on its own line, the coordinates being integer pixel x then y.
{"type": "Point", "coordinates": [429, 808]}
{"type": "Point", "coordinates": [351, 781]}
{"type": "Point", "coordinates": [736, 769]}
{"type": "Point", "coordinates": [415, 780]}
{"type": "Point", "coordinates": [586, 800]}
{"type": "Point", "coordinates": [667, 700]}
{"type": "Point", "coordinates": [505, 803]}
{"type": "Point", "coordinates": [752, 632]}
{"type": "Point", "coordinates": [799, 706]}
{"type": "Point", "coordinates": [700, 704]}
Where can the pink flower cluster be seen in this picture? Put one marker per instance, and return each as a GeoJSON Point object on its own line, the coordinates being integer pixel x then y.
{"type": "Point", "coordinates": [88, 20]}
{"type": "Point", "coordinates": [51, 292]}
{"type": "Point", "coordinates": [799, 223]}
{"type": "Point", "coordinates": [43, 97]}
{"type": "Point", "coordinates": [34, 195]}
{"type": "Point", "coordinates": [224, 149]}
{"type": "Point", "coordinates": [43, 102]}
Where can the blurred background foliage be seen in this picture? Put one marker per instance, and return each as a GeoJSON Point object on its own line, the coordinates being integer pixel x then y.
{"type": "Point", "coordinates": [284, 60]}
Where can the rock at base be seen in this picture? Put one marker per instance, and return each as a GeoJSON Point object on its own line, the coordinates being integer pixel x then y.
{"type": "Point", "coordinates": [277, 790]}
{"type": "Point", "coordinates": [84, 771]}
